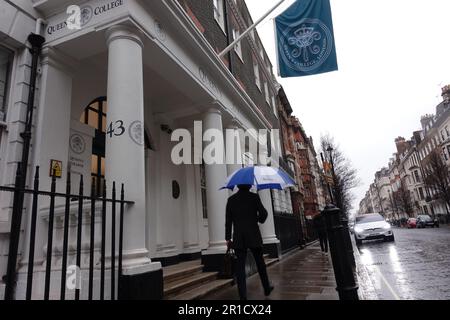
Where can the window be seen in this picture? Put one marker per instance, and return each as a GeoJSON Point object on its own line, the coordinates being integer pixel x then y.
{"type": "Point", "coordinates": [219, 13]}
{"type": "Point", "coordinates": [274, 105]}
{"type": "Point", "coordinates": [417, 177]}
{"type": "Point", "coordinates": [6, 57]}
{"type": "Point", "coordinates": [95, 116]}
{"type": "Point", "coordinates": [256, 72]}
{"type": "Point", "coordinates": [252, 33]}
{"type": "Point", "coordinates": [266, 91]}
{"type": "Point", "coordinates": [261, 51]}
{"type": "Point", "coordinates": [238, 46]}
{"type": "Point", "coordinates": [422, 196]}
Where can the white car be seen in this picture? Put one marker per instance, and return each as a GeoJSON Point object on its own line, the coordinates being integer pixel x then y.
{"type": "Point", "coordinates": [372, 226]}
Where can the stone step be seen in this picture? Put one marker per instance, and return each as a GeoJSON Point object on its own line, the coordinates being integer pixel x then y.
{"type": "Point", "coordinates": [185, 284]}
{"type": "Point", "coordinates": [180, 271]}
{"type": "Point", "coordinates": [203, 290]}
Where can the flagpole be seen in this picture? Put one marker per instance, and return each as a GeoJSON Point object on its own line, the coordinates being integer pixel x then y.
{"type": "Point", "coordinates": [250, 29]}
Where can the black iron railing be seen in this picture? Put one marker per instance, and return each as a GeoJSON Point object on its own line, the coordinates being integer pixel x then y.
{"type": "Point", "coordinates": [70, 199]}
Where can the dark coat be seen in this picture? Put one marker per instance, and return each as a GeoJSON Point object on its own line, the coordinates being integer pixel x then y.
{"type": "Point", "coordinates": [244, 211]}
{"type": "Point", "coordinates": [319, 224]}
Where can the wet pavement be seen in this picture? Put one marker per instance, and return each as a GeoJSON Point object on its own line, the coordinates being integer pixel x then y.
{"type": "Point", "coordinates": [415, 267]}
{"type": "Point", "coordinates": [303, 275]}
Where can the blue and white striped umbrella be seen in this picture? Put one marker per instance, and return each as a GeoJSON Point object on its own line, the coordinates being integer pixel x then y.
{"type": "Point", "coordinates": [262, 177]}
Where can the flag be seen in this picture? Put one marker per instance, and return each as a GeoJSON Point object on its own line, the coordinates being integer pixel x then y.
{"type": "Point", "coordinates": [305, 39]}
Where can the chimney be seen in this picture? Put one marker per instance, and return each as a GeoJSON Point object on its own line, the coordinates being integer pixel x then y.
{"type": "Point", "coordinates": [426, 121]}
{"type": "Point", "coordinates": [446, 94]}
{"type": "Point", "coordinates": [401, 145]}
{"type": "Point", "coordinates": [417, 136]}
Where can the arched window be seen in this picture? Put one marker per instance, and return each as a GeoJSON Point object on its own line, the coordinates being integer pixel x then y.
{"type": "Point", "coordinates": [95, 116]}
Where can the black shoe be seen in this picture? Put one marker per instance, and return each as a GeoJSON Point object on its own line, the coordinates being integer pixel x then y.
{"type": "Point", "coordinates": [268, 291]}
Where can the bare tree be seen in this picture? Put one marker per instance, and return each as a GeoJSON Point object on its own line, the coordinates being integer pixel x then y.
{"type": "Point", "coordinates": [437, 177]}
{"type": "Point", "coordinates": [345, 176]}
{"type": "Point", "coordinates": [403, 200]}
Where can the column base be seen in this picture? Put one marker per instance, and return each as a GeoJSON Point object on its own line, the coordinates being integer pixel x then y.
{"type": "Point", "coordinates": [179, 258]}
{"type": "Point", "coordinates": [213, 261]}
{"type": "Point", "coordinates": [273, 250]}
{"type": "Point", "coordinates": [144, 286]}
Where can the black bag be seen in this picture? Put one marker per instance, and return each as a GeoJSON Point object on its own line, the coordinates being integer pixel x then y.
{"type": "Point", "coordinates": [229, 262]}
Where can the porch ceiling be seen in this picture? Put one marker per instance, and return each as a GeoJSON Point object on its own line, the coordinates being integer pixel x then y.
{"type": "Point", "coordinates": [168, 88]}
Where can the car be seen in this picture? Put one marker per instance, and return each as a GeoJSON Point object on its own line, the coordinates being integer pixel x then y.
{"type": "Point", "coordinates": [425, 220]}
{"type": "Point", "coordinates": [411, 223]}
{"type": "Point", "coordinates": [370, 227]}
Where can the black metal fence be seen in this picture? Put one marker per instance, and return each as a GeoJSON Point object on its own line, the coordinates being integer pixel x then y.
{"type": "Point", "coordinates": [108, 211]}
{"type": "Point", "coordinates": [287, 229]}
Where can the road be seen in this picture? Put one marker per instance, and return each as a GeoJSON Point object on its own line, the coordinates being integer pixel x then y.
{"type": "Point", "coordinates": [415, 267]}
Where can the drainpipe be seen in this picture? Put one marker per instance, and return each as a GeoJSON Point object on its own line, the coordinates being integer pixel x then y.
{"type": "Point", "coordinates": [36, 42]}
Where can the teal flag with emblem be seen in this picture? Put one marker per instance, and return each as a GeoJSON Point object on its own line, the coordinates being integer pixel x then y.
{"type": "Point", "coordinates": [305, 39]}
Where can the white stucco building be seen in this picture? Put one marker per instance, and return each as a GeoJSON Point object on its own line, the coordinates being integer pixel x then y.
{"type": "Point", "coordinates": [109, 94]}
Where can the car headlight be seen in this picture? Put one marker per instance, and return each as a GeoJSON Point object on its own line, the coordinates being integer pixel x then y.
{"type": "Point", "coordinates": [358, 229]}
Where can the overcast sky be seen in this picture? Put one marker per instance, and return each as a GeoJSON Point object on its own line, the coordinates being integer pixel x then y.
{"type": "Point", "coordinates": [394, 57]}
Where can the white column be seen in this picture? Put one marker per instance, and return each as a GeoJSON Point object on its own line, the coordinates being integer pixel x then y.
{"type": "Point", "coordinates": [125, 153]}
{"type": "Point", "coordinates": [216, 175]}
{"type": "Point", "coordinates": [232, 167]}
{"type": "Point", "coordinates": [268, 228]}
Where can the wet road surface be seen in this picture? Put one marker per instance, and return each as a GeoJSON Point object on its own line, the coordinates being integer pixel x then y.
{"type": "Point", "coordinates": [414, 267]}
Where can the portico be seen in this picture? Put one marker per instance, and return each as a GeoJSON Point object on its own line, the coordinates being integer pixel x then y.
{"type": "Point", "coordinates": [152, 82]}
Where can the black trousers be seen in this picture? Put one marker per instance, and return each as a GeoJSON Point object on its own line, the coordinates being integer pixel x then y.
{"type": "Point", "coordinates": [323, 238]}
{"type": "Point", "coordinates": [240, 270]}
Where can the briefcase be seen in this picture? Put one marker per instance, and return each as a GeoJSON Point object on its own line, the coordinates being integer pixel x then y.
{"type": "Point", "coordinates": [229, 261]}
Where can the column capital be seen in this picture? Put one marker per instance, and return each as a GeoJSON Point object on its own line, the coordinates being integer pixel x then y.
{"type": "Point", "coordinates": [121, 31]}
{"type": "Point", "coordinates": [214, 109]}
{"type": "Point", "coordinates": [234, 124]}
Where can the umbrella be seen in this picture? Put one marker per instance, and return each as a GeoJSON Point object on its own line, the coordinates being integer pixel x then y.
{"type": "Point", "coordinates": [262, 177]}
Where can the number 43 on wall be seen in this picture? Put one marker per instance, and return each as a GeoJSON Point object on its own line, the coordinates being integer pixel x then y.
{"type": "Point", "coordinates": [116, 129]}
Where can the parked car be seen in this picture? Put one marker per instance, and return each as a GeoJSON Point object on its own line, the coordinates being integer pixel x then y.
{"type": "Point", "coordinates": [424, 221]}
{"type": "Point", "coordinates": [411, 223]}
{"type": "Point", "coordinates": [370, 227]}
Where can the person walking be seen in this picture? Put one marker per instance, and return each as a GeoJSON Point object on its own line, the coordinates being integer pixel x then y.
{"type": "Point", "coordinates": [243, 212]}
{"type": "Point", "coordinates": [321, 229]}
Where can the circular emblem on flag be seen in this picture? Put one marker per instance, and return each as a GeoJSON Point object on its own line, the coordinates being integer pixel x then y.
{"type": "Point", "coordinates": [306, 45]}
{"type": "Point", "coordinates": [77, 144]}
{"type": "Point", "coordinates": [136, 132]}
{"type": "Point", "coordinates": [86, 15]}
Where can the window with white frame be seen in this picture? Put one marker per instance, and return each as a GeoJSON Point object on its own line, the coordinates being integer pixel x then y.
{"type": "Point", "coordinates": [219, 13]}
{"type": "Point", "coordinates": [252, 33]}
{"type": "Point", "coordinates": [274, 105]}
{"type": "Point", "coordinates": [238, 46]}
{"type": "Point", "coordinates": [266, 91]}
{"type": "Point", "coordinates": [257, 75]}
{"type": "Point", "coordinates": [261, 51]}
{"type": "Point", "coordinates": [6, 57]}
